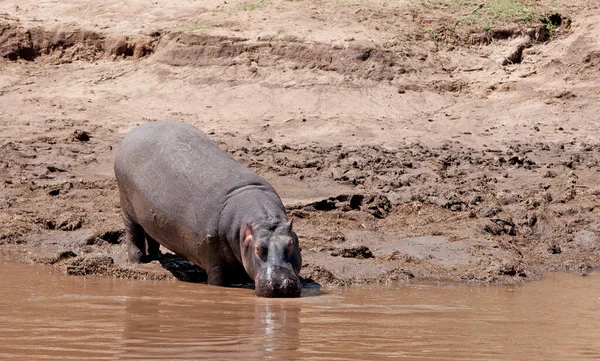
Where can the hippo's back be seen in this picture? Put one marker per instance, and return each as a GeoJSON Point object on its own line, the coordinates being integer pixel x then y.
{"type": "Point", "coordinates": [174, 173]}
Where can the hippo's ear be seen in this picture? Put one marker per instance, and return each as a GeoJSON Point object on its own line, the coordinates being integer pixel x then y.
{"type": "Point", "coordinates": [247, 234]}
{"type": "Point", "coordinates": [289, 224]}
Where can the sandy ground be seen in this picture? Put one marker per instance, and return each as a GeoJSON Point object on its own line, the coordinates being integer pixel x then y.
{"type": "Point", "coordinates": [401, 148]}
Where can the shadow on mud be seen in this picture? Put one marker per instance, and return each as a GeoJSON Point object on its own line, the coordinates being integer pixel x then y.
{"type": "Point", "coordinates": [182, 269]}
{"type": "Point", "coordinates": [186, 271]}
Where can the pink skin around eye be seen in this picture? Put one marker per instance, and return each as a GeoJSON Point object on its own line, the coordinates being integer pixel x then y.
{"type": "Point", "coordinates": [257, 250]}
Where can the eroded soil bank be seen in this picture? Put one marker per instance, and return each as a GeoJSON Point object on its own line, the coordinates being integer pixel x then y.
{"type": "Point", "coordinates": [403, 146]}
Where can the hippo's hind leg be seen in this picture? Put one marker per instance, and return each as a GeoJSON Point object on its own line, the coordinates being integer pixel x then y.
{"type": "Point", "coordinates": [136, 242]}
{"type": "Point", "coordinates": [153, 248]}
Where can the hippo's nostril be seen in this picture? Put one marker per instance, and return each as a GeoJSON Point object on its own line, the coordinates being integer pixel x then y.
{"type": "Point", "coordinates": [286, 284]}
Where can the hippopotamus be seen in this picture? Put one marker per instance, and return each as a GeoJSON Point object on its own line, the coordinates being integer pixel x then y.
{"type": "Point", "coordinates": [180, 190]}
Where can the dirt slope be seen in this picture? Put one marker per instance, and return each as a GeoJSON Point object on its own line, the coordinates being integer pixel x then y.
{"type": "Point", "coordinates": [406, 139]}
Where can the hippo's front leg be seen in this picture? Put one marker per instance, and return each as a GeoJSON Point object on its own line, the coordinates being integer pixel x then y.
{"type": "Point", "coordinates": [217, 276]}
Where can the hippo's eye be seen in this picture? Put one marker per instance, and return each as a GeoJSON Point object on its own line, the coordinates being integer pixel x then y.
{"type": "Point", "coordinates": [289, 249]}
{"type": "Point", "coordinates": [261, 250]}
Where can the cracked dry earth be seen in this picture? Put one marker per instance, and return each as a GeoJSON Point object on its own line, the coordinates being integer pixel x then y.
{"type": "Point", "coordinates": [469, 156]}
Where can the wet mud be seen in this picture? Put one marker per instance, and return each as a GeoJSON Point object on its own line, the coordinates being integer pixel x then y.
{"type": "Point", "coordinates": [447, 155]}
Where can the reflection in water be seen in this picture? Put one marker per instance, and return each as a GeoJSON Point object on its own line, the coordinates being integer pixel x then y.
{"type": "Point", "coordinates": [45, 315]}
{"type": "Point", "coordinates": [206, 322]}
{"type": "Point", "coordinates": [276, 327]}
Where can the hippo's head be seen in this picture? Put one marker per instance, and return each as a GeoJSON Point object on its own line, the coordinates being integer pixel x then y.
{"type": "Point", "coordinates": [271, 256]}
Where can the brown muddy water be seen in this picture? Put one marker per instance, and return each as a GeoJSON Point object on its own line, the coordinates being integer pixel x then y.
{"type": "Point", "coordinates": [46, 315]}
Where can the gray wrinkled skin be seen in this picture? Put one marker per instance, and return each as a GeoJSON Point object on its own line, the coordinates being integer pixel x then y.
{"type": "Point", "coordinates": [178, 189]}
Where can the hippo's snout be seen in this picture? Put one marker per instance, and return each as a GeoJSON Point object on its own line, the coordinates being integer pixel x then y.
{"type": "Point", "coordinates": [277, 281]}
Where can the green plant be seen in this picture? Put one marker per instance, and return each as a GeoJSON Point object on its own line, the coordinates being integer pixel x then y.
{"type": "Point", "coordinates": [249, 6]}
{"type": "Point", "coordinates": [432, 33]}
{"type": "Point", "coordinates": [485, 14]}
{"type": "Point", "coordinates": [201, 26]}
{"type": "Point", "coordinates": [272, 37]}
{"type": "Point", "coordinates": [494, 12]}
{"type": "Point", "coordinates": [550, 26]}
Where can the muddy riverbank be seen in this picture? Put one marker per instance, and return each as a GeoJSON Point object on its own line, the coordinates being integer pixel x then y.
{"type": "Point", "coordinates": [401, 148]}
